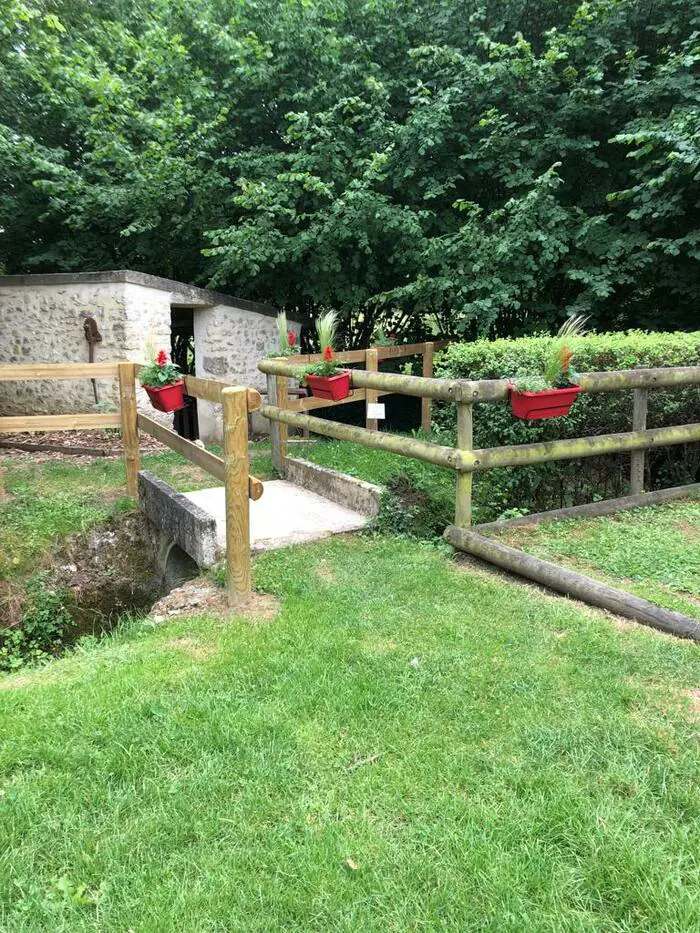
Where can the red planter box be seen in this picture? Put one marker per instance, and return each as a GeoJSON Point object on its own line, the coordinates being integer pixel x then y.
{"type": "Point", "coordinates": [331, 387]}
{"type": "Point", "coordinates": [551, 404]}
{"type": "Point", "coordinates": [167, 398]}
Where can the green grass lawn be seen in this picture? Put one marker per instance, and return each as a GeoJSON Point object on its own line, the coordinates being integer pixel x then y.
{"type": "Point", "coordinates": [653, 552]}
{"type": "Point", "coordinates": [409, 745]}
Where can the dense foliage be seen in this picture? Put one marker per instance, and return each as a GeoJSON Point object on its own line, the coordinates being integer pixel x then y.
{"type": "Point", "coordinates": [552, 485]}
{"type": "Point", "coordinates": [456, 166]}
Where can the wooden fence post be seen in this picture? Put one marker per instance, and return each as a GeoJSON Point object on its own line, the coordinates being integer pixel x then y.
{"type": "Point", "coordinates": [371, 395]}
{"type": "Point", "coordinates": [238, 575]}
{"type": "Point", "coordinates": [638, 458]}
{"type": "Point", "coordinates": [465, 441]}
{"type": "Point", "coordinates": [277, 394]}
{"type": "Point", "coordinates": [130, 427]}
{"type": "Point", "coordinates": [426, 403]}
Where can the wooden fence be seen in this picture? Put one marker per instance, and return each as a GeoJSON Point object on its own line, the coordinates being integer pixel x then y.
{"type": "Point", "coordinates": [232, 470]}
{"type": "Point", "coordinates": [467, 461]}
{"type": "Point", "coordinates": [278, 387]}
{"type": "Point", "coordinates": [466, 394]}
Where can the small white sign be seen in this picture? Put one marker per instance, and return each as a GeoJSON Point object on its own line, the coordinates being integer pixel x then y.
{"type": "Point", "coordinates": [376, 410]}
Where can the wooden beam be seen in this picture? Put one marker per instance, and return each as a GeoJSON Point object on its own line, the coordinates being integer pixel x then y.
{"type": "Point", "coordinates": [310, 403]}
{"type": "Point", "coordinates": [130, 427]}
{"type": "Point", "coordinates": [448, 390]}
{"type": "Point", "coordinates": [463, 498]}
{"type": "Point", "coordinates": [407, 446]}
{"type": "Point", "coordinates": [663, 377]}
{"type": "Point", "coordinates": [392, 351]}
{"type": "Point", "coordinates": [278, 396]}
{"type": "Point", "coordinates": [638, 458]}
{"type": "Point", "coordinates": [527, 454]}
{"type": "Point", "coordinates": [11, 424]}
{"type": "Point", "coordinates": [572, 584]}
{"type": "Point", "coordinates": [426, 419]}
{"type": "Point", "coordinates": [57, 448]}
{"type": "Point", "coordinates": [205, 460]}
{"type": "Point", "coordinates": [596, 509]}
{"type": "Point", "coordinates": [238, 565]}
{"type": "Point", "coordinates": [210, 390]}
{"type": "Point", "coordinates": [32, 371]}
{"type": "Point", "coordinates": [371, 395]}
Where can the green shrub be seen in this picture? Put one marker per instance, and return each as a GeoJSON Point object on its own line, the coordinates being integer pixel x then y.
{"type": "Point", "coordinates": [554, 485]}
{"type": "Point", "coordinates": [41, 630]}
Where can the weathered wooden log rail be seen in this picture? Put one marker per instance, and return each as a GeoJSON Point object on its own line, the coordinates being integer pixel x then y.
{"type": "Point", "coordinates": [467, 461]}
{"type": "Point", "coordinates": [231, 470]}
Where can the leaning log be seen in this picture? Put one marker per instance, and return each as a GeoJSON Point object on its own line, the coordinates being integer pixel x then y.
{"type": "Point", "coordinates": [572, 584]}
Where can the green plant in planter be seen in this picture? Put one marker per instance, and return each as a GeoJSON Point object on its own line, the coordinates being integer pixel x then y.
{"type": "Point", "coordinates": [287, 339]}
{"type": "Point", "coordinates": [558, 371]}
{"type": "Point", "coordinates": [160, 372]}
{"type": "Point", "coordinates": [325, 331]}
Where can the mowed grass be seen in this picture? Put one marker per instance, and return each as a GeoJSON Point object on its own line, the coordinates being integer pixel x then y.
{"type": "Point", "coordinates": [653, 552]}
{"type": "Point", "coordinates": [410, 745]}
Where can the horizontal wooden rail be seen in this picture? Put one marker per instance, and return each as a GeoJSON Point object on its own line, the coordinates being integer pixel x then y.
{"type": "Point", "coordinates": [497, 390]}
{"type": "Point", "coordinates": [390, 352]}
{"type": "Point", "coordinates": [210, 389]}
{"type": "Point", "coordinates": [311, 402]}
{"type": "Point", "coordinates": [448, 390]}
{"type": "Point", "coordinates": [664, 377]}
{"type": "Point", "coordinates": [11, 424]}
{"type": "Point", "coordinates": [32, 371]}
{"type": "Point", "coordinates": [408, 446]}
{"type": "Point", "coordinates": [197, 455]}
{"type": "Point", "coordinates": [571, 449]}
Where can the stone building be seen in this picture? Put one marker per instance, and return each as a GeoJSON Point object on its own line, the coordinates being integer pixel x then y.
{"type": "Point", "coordinates": [42, 320]}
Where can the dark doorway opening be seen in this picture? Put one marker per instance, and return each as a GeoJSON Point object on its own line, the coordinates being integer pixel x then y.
{"type": "Point", "coordinates": [182, 351]}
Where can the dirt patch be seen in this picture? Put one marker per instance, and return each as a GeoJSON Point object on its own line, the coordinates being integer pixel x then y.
{"type": "Point", "coordinates": [259, 607]}
{"type": "Point", "coordinates": [10, 605]}
{"type": "Point", "coordinates": [203, 597]}
{"type": "Point", "coordinates": [689, 529]}
{"type": "Point", "coordinates": [324, 572]}
{"type": "Point", "coordinates": [200, 596]}
{"type": "Point", "coordinates": [107, 572]}
{"type": "Point", "coordinates": [192, 647]}
{"type": "Point", "coordinates": [105, 443]}
{"type": "Point", "coordinates": [694, 697]}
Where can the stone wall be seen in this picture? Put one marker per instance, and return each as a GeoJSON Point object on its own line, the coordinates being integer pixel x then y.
{"type": "Point", "coordinates": [44, 324]}
{"type": "Point", "coordinates": [41, 321]}
{"type": "Point", "coordinates": [229, 343]}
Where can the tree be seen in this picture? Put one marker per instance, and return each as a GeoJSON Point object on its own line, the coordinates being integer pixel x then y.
{"type": "Point", "coordinates": [432, 165]}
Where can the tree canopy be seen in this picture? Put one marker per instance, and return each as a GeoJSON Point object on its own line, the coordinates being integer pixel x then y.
{"type": "Point", "coordinates": [455, 166]}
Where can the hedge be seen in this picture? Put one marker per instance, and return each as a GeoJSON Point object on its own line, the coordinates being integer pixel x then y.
{"type": "Point", "coordinates": [508, 491]}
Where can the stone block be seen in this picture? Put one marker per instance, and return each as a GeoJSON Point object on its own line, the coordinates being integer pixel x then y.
{"type": "Point", "coordinates": [345, 490]}
{"type": "Point", "coordinates": [186, 524]}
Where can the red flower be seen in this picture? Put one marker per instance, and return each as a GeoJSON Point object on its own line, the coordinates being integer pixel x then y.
{"type": "Point", "coordinates": [328, 354]}
{"type": "Point", "coordinates": [291, 337]}
{"type": "Point", "coordinates": [162, 358]}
